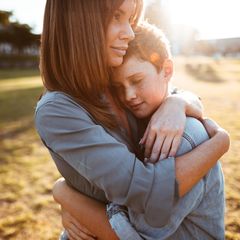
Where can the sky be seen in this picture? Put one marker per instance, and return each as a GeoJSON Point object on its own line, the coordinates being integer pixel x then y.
{"type": "Point", "coordinates": [212, 18]}
{"type": "Point", "coordinates": [26, 11]}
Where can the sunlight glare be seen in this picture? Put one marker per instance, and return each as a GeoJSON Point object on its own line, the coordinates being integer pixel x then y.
{"type": "Point", "coordinates": [212, 18]}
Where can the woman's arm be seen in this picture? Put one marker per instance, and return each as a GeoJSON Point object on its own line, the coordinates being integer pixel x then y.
{"type": "Point", "coordinates": [191, 102]}
{"type": "Point", "coordinates": [192, 166]}
{"type": "Point", "coordinates": [79, 146]}
{"type": "Point", "coordinates": [165, 128]}
{"type": "Point", "coordinates": [86, 211]}
{"type": "Point", "coordinates": [189, 168]}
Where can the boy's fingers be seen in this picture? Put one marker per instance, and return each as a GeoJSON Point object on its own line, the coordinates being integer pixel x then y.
{"type": "Point", "coordinates": [72, 235]}
{"type": "Point", "coordinates": [79, 236]}
{"type": "Point", "coordinates": [81, 229]}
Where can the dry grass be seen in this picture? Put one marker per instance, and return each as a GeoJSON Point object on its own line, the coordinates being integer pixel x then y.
{"type": "Point", "coordinates": [27, 210]}
{"type": "Point", "coordinates": [220, 97]}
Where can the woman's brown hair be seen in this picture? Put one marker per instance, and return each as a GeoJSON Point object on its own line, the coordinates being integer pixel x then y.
{"type": "Point", "coordinates": [73, 58]}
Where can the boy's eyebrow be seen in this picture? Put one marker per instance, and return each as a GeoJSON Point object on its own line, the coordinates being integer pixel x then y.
{"type": "Point", "coordinates": [139, 74]}
{"type": "Point", "coordinates": [121, 11]}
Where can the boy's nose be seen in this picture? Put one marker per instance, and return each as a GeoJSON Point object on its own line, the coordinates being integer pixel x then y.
{"type": "Point", "coordinates": [130, 94]}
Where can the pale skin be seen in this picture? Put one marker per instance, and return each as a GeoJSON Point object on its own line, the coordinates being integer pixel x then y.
{"type": "Point", "coordinates": [86, 218]}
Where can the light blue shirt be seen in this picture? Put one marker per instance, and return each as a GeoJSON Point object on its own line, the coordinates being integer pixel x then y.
{"type": "Point", "coordinates": [83, 150]}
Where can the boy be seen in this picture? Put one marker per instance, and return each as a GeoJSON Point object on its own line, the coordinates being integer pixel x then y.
{"type": "Point", "coordinates": [141, 84]}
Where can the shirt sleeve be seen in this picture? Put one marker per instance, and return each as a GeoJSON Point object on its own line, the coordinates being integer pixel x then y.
{"type": "Point", "coordinates": [194, 134]}
{"type": "Point", "coordinates": [69, 132]}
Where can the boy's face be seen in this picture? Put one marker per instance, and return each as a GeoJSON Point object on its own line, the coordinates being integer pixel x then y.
{"type": "Point", "coordinates": [140, 87]}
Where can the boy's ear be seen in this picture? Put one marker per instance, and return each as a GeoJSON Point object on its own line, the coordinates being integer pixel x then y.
{"type": "Point", "coordinates": [168, 68]}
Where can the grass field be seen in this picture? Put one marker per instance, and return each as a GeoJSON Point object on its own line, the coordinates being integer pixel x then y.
{"type": "Point", "coordinates": [27, 174]}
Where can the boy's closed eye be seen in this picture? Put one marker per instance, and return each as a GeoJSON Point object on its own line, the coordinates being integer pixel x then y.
{"type": "Point", "coordinates": [136, 81]}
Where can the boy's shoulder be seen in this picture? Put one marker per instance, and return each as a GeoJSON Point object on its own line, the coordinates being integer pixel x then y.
{"type": "Point", "coordinates": [194, 134]}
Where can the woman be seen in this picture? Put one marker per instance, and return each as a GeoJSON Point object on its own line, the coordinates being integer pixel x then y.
{"type": "Point", "coordinates": [81, 41]}
{"type": "Point", "coordinates": [142, 84]}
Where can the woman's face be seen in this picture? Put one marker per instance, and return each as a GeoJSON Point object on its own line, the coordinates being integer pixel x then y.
{"type": "Point", "coordinates": [120, 33]}
{"type": "Point", "coordinates": [140, 87]}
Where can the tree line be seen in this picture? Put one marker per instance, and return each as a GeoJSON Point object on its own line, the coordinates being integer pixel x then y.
{"type": "Point", "coordinates": [16, 38]}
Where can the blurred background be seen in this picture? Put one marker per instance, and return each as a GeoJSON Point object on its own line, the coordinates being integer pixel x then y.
{"type": "Point", "coordinates": [205, 40]}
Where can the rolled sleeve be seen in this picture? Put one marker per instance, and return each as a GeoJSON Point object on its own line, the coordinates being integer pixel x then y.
{"type": "Point", "coordinates": [160, 203]}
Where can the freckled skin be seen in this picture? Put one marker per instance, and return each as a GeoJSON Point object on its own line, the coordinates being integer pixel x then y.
{"type": "Point", "coordinates": [140, 87]}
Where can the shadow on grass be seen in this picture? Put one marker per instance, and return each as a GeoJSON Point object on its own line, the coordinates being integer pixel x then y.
{"type": "Point", "coordinates": [18, 73]}
{"type": "Point", "coordinates": [17, 106]}
{"type": "Point", "coordinates": [204, 72]}
{"type": "Point", "coordinates": [14, 132]}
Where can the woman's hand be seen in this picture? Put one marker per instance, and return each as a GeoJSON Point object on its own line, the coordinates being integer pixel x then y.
{"type": "Point", "coordinates": [212, 127]}
{"type": "Point", "coordinates": [74, 229]}
{"type": "Point", "coordinates": [163, 134]}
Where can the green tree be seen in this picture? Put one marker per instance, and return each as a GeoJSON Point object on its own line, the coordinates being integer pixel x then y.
{"type": "Point", "coordinates": [18, 35]}
{"type": "Point", "coordinates": [21, 36]}
{"type": "Point", "coordinates": [4, 18]}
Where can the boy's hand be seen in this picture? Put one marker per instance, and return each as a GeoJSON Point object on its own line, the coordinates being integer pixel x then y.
{"type": "Point", "coordinates": [75, 230]}
{"type": "Point", "coordinates": [164, 131]}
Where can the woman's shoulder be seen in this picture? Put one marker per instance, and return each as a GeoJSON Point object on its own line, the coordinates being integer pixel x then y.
{"type": "Point", "coordinates": [59, 101]}
{"type": "Point", "coordinates": [54, 97]}
{"type": "Point", "coordinates": [59, 108]}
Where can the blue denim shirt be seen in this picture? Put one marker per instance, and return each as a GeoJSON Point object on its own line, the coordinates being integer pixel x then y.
{"type": "Point", "coordinates": [83, 150]}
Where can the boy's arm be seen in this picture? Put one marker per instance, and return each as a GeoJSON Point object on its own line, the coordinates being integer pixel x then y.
{"type": "Point", "coordinates": [86, 213]}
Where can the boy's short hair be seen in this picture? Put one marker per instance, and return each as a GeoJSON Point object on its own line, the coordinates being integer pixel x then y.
{"type": "Point", "coordinates": [150, 44]}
